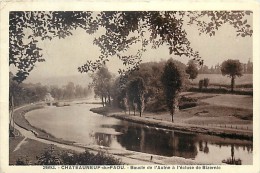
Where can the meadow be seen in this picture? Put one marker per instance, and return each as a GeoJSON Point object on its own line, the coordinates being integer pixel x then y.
{"type": "Point", "coordinates": [218, 79]}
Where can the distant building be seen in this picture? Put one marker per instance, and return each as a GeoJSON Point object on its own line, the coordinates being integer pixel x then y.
{"type": "Point", "coordinates": [49, 99]}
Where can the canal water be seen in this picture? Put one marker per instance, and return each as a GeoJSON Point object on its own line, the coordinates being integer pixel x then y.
{"type": "Point", "coordinates": [77, 123]}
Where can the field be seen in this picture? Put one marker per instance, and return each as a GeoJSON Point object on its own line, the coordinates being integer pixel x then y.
{"type": "Point", "coordinates": [224, 80]}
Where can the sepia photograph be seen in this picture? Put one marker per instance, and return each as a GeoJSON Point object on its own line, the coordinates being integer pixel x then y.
{"type": "Point", "coordinates": [119, 89]}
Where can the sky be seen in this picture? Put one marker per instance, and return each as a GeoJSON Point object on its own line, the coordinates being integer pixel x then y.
{"type": "Point", "coordinates": [64, 56]}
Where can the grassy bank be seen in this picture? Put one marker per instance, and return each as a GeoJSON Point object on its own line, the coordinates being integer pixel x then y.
{"type": "Point", "coordinates": [36, 153]}
{"type": "Point", "coordinates": [29, 150]}
{"type": "Point", "coordinates": [162, 120]}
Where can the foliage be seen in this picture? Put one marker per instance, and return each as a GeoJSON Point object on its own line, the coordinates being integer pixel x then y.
{"type": "Point", "coordinates": [118, 93]}
{"type": "Point", "coordinates": [247, 68]}
{"type": "Point", "coordinates": [154, 97]}
{"type": "Point", "coordinates": [136, 90]}
{"type": "Point", "coordinates": [187, 102]}
{"type": "Point", "coordinates": [192, 70]}
{"type": "Point", "coordinates": [102, 84]}
{"type": "Point", "coordinates": [218, 18]}
{"type": "Point", "coordinates": [23, 161]}
{"type": "Point", "coordinates": [49, 157]}
{"type": "Point", "coordinates": [221, 90]}
{"type": "Point", "coordinates": [123, 29]}
{"type": "Point", "coordinates": [206, 82]}
{"type": "Point", "coordinates": [172, 80]}
{"type": "Point", "coordinates": [201, 84]}
{"type": "Point", "coordinates": [27, 28]}
{"type": "Point", "coordinates": [69, 91]}
{"type": "Point", "coordinates": [186, 105]}
{"type": "Point", "coordinates": [87, 158]}
{"type": "Point", "coordinates": [54, 157]}
{"type": "Point", "coordinates": [25, 93]}
{"type": "Point", "coordinates": [233, 69]}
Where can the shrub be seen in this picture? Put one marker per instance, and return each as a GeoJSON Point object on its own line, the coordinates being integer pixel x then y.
{"type": "Point", "coordinates": [88, 158]}
{"type": "Point", "coordinates": [53, 157]}
{"type": "Point", "coordinates": [206, 82]}
{"type": "Point", "coordinates": [187, 99]}
{"type": "Point", "coordinates": [221, 91]}
{"type": "Point", "coordinates": [49, 157]}
{"type": "Point", "coordinates": [201, 83]}
{"type": "Point", "coordinates": [22, 161]}
{"type": "Point", "coordinates": [186, 105]}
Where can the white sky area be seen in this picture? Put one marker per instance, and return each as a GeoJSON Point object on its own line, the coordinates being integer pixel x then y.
{"type": "Point", "coordinates": [64, 56]}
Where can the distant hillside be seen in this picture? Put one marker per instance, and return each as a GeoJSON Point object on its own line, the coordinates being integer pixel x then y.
{"type": "Point", "coordinates": [80, 79]}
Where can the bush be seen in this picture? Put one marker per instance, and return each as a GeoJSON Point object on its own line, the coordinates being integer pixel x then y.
{"type": "Point", "coordinates": [221, 91]}
{"type": "Point", "coordinates": [186, 105]}
{"type": "Point", "coordinates": [201, 83]}
{"type": "Point", "coordinates": [88, 158]}
{"type": "Point", "coordinates": [22, 161]}
{"type": "Point", "coordinates": [53, 157]}
{"type": "Point", "coordinates": [187, 99]}
{"type": "Point", "coordinates": [206, 82]}
{"type": "Point", "coordinates": [49, 157]}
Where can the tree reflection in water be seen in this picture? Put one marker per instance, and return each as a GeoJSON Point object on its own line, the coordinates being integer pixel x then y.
{"type": "Point", "coordinates": [232, 160]}
{"type": "Point", "coordinates": [202, 148]}
{"type": "Point", "coordinates": [136, 137]}
{"type": "Point", "coordinates": [149, 140]}
{"type": "Point", "coordinates": [103, 139]}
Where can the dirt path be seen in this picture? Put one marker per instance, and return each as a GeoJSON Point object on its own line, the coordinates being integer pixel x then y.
{"type": "Point", "coordinates": [20, 144]}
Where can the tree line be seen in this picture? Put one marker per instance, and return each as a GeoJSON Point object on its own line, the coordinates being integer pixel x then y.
{"type": "Point", "coordinates": [154, 86]}
{"type": "Point", "coordinates": [247, 68]}
{"type": "Point", "coordinates": [26, 93]}
{"type": "Point", "coordinates": [154, 83]}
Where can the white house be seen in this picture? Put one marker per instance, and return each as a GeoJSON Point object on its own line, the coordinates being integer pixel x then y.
{"type": "Point", "coordinates": [48, 99]}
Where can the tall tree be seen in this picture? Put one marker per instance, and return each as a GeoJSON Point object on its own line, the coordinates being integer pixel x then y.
{"type": "Point", "coordinates": [233, 69]}
{"type": "Point", "coordinates": [172, 80]}
{"type": "Point", "coordinates": [136, 90]}
{"type": "Point", "coordinates": [102, 84]}
{"type": "Point", "coordinates": [192, 69]}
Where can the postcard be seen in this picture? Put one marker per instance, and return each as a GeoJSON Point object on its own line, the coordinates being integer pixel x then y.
{"type": "Point", "coordinates": [144, 86]}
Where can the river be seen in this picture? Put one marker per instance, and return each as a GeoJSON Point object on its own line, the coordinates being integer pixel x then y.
{"type": "Point", "coordinates": [77, 123]}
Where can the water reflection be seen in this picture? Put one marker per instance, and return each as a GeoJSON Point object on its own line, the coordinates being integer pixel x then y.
{"type": "Point", "coordinates": [233, 160]}
{"type": "Point", "coordinates": [90, 128]}
{"type": "Point", "coordinates": [174, 143]}
{"type": "Point", "coordinates": [103, 139]}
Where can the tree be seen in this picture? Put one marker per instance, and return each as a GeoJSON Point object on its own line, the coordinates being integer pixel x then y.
{"type": "Point", "coordinates": [27, 28]}
{"type": "Point", "coordinates": [102, 84]}
{"type": "Point", "coordinates": [69, 90]}
{"type": "Point", "coordinates": [201, 84]}
{"type": "Point", "coordinates": [233, 69]}
{"type": "Point", "coordinates": [192, 70]}
{"type": "Point", "coordinates": [79, 91]}
{"type": "Point", "coordinates": [172, 80]}
{"type": "Point", "coordinates": [136, 90]}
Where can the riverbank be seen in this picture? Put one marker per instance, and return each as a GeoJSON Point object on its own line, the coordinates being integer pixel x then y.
{"type": "Point", "coordinates": [28, 142]}
{"type": "Point", "coordinates": [162, 120]}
